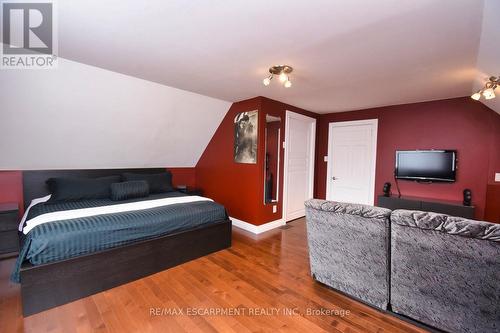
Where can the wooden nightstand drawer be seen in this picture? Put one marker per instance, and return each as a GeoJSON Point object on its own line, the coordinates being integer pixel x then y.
{"type": "Point", "coordinates": [9, 241]}
{"type": "Point", "coordinates": [9, 221]}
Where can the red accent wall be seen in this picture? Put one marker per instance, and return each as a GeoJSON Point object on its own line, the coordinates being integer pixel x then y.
{"type": "Point", "coordinates": [460, 123]}
{"type": "Point", "coordinates": [494, 150]}
{"type": "Point", "coordinates": [237, 186]}
{"type": "Point", "coordinates": [240, 187]}
{"type": "Point", "coordinates": [11, 188]}
{"type": "Point", "coordinates": [492, 211]}
{"type": "Point", "coordinates": [11, 184]}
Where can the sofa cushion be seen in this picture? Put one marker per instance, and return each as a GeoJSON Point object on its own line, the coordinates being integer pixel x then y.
{"type": "Point", "coordinates": [445, 271]}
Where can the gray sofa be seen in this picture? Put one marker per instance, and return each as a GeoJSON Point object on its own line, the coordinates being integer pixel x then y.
{"type": "Point", "coordinates": [444, 271]}
{"type": "Point", "coordinates": [348, 248]}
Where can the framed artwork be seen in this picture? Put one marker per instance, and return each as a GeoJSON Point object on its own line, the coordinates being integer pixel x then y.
{"type": "Point", "coordinates": [245, 137]}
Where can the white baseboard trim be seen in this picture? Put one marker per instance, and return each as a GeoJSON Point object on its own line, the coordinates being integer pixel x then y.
{"type": "Point", "coordinates": [257, 229]}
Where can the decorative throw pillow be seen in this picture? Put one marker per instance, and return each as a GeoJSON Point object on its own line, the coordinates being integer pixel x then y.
{"type": "Point", "coordinates": [70, 189]}
{"type": "Point", "coordinates": [129, 190]}
{"type": "Point", "coordinates": [158, 183]}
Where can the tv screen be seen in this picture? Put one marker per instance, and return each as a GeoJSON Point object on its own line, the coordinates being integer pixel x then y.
{"type": "Point", "coordinates": [426, 165]}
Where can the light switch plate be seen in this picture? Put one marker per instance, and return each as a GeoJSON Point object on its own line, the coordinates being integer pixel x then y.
{"type": "Point", "coordinates": [497, 177]}
{"type": "Point", "coordinates": [325, 158]}
{"type": "Point", "coordinates": [275, 209]}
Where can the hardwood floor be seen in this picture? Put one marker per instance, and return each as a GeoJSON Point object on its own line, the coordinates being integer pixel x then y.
{"type": "Point", "coordinates": [261, 284]}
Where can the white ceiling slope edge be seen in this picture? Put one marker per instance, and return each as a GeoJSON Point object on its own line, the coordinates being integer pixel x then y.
{"type": "Point", "coordinates": [347, 55]}
{"type": "Point", "coordinates": [79, 116]}
{"type": "Point", "coordinates": [488, 59]}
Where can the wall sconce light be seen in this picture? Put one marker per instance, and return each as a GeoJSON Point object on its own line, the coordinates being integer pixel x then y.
{"type": "Point", "coordinates": [488, 91]}
{"type": "Point", "coordinates": [283, 72]}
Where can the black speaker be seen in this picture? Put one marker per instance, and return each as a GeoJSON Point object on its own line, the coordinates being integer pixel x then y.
{"type": "Point", "coordinates": [467, 197]}
{"type": "Point", "coordinates": [387, 189]}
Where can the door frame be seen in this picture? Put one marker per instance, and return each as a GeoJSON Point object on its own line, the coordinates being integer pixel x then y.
{"type": "Point", "coordinates": [331, 126]}
{"type": "Point", "coordinates": [289, 115]}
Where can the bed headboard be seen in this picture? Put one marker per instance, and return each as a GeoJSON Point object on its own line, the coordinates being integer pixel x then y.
{"type": "Point", "coordinates": [34, 181]}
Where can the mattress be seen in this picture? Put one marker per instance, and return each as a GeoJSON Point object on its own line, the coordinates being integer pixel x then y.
{"type": "Point", "coordinates": [68, 238]}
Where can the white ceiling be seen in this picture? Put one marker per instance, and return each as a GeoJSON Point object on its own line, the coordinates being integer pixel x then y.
{"type": "Point", "coordinates": [488, 59]}
{"type": "Point", "coordinates": [347, 54]}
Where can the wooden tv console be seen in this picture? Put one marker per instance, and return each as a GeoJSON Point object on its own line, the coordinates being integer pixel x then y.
{"type": "Point", "coordinates": [454, 208]}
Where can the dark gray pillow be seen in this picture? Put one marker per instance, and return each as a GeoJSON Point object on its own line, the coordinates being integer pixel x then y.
{"type": "Point", "coordinates": [129, 190]}
{"type": "Point", "coordinates": [70, 189]}
{"type": "Point", "coordinates": [158, 182]}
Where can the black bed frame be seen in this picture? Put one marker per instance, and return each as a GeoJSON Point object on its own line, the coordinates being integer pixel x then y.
{"type": "Point", "coordinates": [53, 284]}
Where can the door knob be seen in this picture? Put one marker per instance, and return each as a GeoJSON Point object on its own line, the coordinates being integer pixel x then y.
{"type": "Point", "coordinates": [334, 178]}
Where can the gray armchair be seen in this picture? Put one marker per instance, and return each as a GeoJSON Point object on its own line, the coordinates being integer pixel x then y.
{"type": "Point", "coordinates": [349, 248]}
{"type": "Point", "coordinates": [445, 271]}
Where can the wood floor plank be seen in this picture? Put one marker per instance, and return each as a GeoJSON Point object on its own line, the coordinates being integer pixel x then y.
{"type": "Point", "coordinates": [268, 272]}
{"type": "Point", "coordinates": [259, 299]}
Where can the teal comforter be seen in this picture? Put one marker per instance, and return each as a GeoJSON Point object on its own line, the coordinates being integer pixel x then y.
{"type": "Point", "coordinates": [65, 239]}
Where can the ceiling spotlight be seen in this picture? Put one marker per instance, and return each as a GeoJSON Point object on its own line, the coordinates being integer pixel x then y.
{"type": "Point", "coordinates": [267, 80]}
{"type": "Point", "coordinates": [488, 91]}
{"type": "Point", "coordinates": [283, 77]}
{"type": "Point", "coordinates": [283, 72]}
{"type": "Point", "coordinates": [475, 96]}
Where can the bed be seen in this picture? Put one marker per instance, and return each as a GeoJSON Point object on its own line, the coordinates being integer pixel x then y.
{"type": "Point", "coordinates": [101, 243]}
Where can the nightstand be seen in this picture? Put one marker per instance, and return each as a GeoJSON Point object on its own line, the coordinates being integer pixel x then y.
{"type": "Point", "coordinates": [190, 190]}
{"type": "Point", "coordinates": [9, 222]}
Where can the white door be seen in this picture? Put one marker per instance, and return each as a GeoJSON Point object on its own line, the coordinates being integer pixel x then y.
{"type": "Point", "coordinates": [300, 137]}
{"type": "Point", "coordinates": [352, 154]}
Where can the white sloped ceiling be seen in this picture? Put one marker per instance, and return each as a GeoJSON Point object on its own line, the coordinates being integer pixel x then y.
{"type": "Point", "coordinates": [80, 116]}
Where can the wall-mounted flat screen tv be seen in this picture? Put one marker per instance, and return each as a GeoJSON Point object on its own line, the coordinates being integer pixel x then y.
{"type": "Point", "coordinates": [426, 165]}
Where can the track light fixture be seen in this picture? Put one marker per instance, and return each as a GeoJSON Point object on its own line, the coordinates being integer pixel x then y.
{"type": "Point", "coordinates": [488, 91]}
{"type": "Point", "coordinates": [283, 72]}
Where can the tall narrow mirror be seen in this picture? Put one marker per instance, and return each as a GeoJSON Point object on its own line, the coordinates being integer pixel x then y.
{"type": "Point", "coordinates": [272, 159]}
